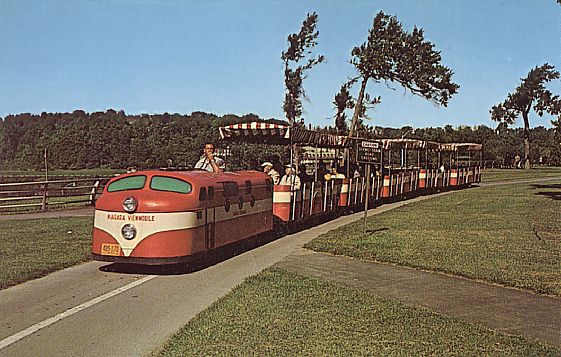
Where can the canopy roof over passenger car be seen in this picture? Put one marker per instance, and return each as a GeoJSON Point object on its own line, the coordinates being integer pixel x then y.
{"type": "Point", "coordinates": [284, 134]}
{"type": "Point", "coordinates": [454, 147]}
{"type": "Point", "coordinates": [409, 144]}
{"type": "Point", "coordinates": [281, 134]}
{"type": "Point", "coordinates": [312, 142]}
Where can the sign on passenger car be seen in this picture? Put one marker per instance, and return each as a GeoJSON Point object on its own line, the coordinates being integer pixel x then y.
{"type": "Point", "coordinates": [368, 152]}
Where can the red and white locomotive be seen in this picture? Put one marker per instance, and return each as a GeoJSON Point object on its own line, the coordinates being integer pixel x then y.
{"type": "Point", "coordinates": [163, 217]}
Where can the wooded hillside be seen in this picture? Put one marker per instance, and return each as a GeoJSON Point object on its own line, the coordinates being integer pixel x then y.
{"type": "Point", "coordinates": [114, 139]}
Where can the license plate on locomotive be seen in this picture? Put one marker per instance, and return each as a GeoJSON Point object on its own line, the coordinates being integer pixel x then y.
{"type": "Point", "coordinates": [110, 249]}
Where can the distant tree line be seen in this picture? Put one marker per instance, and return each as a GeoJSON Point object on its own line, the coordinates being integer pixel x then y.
{"type": "Point", "coordinates": [500, 145]}
{"type": "Point", "coordinates": [113, 139]}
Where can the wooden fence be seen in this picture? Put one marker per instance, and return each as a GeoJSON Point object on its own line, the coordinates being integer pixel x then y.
{"type": "Point", "coordinates": [42, 194]}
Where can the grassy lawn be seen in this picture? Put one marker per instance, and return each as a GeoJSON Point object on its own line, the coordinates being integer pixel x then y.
{"type": "Point", "coordinates": [277, 313]}
{"type": "Point", "coordinates": [33, 248]}
{"type": "Point", "coordinates": [505, 234]}
{"type": "Point", "coordinates": [493, 175]}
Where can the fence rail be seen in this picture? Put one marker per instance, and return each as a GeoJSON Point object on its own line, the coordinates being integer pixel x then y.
{"type": "Point", "coordinates": [43, 194]}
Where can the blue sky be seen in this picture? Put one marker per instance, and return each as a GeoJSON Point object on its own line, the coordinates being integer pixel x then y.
{"type": "Point", "coordinates": [224, 56]}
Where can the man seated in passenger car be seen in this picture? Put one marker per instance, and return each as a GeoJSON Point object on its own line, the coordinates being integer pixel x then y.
{"type": "Point", "coordinates": [335, 174]}
{"type": "Point", "coordinates": [269, 170]}
{"type": "Point", "coordinates": [290, 178]}
{"type": "Point", "coordinates": [209, 162]}
{"type": "Point", "coordinates": [304, 177]}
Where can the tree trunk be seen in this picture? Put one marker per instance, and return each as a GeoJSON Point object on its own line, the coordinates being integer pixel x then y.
{"type": "Point", "coordinates": [526, 141]}
{"type": "Point", "coordinates": [358, 105]}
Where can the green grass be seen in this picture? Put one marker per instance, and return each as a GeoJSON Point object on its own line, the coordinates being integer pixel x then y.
{"type": "Point", "coordinates": [504, 234]}
{"type": "Point", "coordinates": [494, 175]}
{"type": "Point", "coordinates": [277, 313]}
{"type": "Point", "coordinates": [32, 248]}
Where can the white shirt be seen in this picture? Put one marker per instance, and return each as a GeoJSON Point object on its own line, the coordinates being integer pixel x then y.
{"type": "Point", "coordinates": [204, 164]}
{"type": "Point", "coordinates": [293, 180]}
{"type": "Point", "coordinates": [274, 175]}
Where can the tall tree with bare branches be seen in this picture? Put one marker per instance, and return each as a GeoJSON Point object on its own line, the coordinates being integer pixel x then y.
{"type": "Point", "coordinates": [343, 100]}
{"type": "Point", "coordinates": [530, 94]}
{"type": "Point", "coordinates": [297, 63]}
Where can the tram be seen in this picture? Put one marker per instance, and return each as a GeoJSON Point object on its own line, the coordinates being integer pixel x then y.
{"type": "Point", "coordinates": [167, 217]}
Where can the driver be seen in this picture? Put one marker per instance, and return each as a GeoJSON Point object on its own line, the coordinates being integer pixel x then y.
{"type": "Point", "coordinates": [209, 162]}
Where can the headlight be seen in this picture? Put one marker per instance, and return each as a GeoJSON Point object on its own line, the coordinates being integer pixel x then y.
{"type": "Point", "coordinates": [128, 231]}
{"type": "Point", "coordinates": [129, 204]}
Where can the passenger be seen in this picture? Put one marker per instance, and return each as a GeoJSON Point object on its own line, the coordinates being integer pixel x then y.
{"type": "Point", "coordinates": [269, 170]}
{"type": "Point", "coordinates": [290, 178]}
{"type": "Point", "coordinates": [304, 177]}
{"type": "Point", "coordinates": [335, 174]}
{"type": "Point", "coordinates": [277, 164]}
{"type": "Point", "coordinates": [209, 162]}
{"type": "Point", "coordinates": [321, 171]}
{"type": "Point", "coordinates": [357, 172]}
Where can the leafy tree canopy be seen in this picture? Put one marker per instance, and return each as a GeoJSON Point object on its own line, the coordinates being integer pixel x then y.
{"type": "Point", "coordinates": [393, 54]}
{"type": "Point", "coordinates": [531, 92]}
{"type": "Point", "coordinates": [116, 140]}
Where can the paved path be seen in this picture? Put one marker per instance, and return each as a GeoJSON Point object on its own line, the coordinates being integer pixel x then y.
{"type": "Point", "coordinates": [503, 309]}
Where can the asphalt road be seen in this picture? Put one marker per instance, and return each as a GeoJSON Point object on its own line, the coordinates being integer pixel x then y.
{"type": "Point", "coordinates": [80, 311]}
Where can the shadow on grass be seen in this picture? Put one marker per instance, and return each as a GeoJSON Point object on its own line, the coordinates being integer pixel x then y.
{"type": "Point", "coordinates": [370, 231]}
{"type": "Point", "coordinates": [554, 195]}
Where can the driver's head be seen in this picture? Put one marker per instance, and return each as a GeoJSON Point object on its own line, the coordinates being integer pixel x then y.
{"type": "Point", "coordinates": [209, 148]}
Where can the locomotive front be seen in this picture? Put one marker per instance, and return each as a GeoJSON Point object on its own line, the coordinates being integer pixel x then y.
{"type": "Point", "coordinates": [146, 217]}
{"type": "Point", "coordinates": [157, 217]}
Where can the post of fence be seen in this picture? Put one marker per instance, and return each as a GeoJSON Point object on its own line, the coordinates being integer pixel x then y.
{"type": "Point", "coordinates": [94, 192]}
{"type": "Point", "coordinates": [44, 200]}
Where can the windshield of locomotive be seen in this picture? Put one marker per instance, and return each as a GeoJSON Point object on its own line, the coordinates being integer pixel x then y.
{"type": "Point", "coordinates": [127, 183]}
{"type": "Point", "coordinates": [170, 184]}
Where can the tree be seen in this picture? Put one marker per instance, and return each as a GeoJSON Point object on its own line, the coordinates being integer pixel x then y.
{"type": "Point", "coordinates": [391, 54]}
{"type": "Point", "coordinates": [343, 100]}
{"type": "Point", "coordinates": [300, 45]}
{"type": "Point", "coordinates": [530, 94]}
{"type": "Point", "coordinates": [557, 128]}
